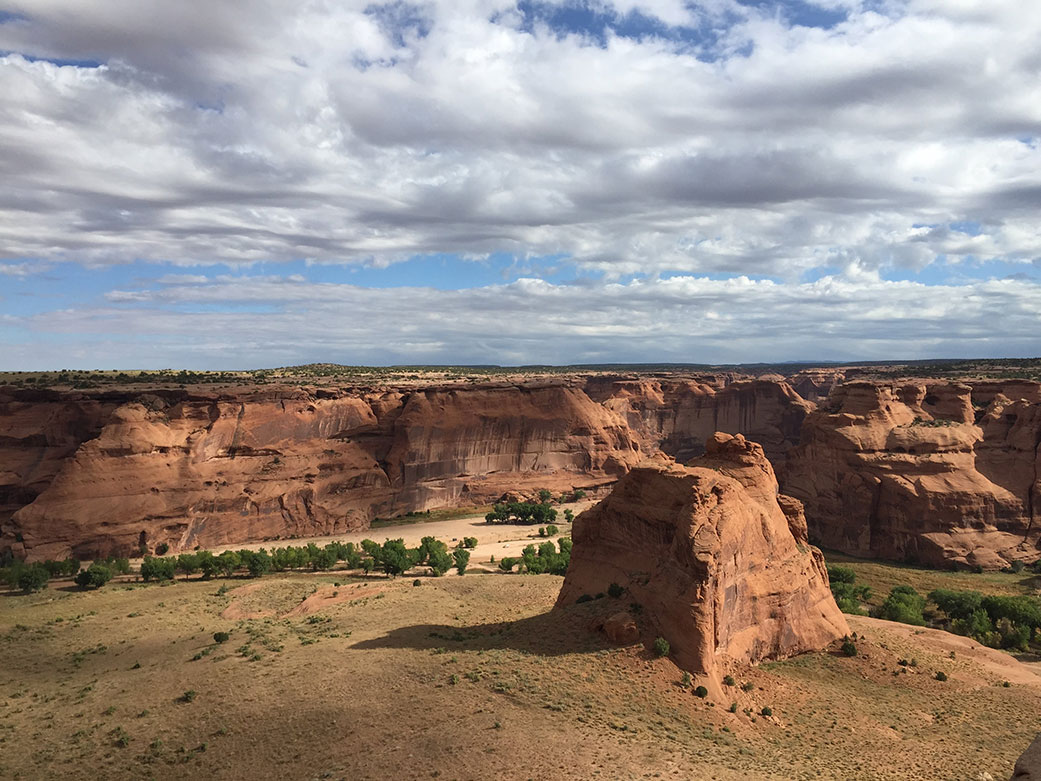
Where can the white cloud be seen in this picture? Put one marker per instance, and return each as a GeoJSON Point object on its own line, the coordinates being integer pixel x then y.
{"type": "Point", "coordinates": [322, 132]}
{"type": "Point", "coordinates": [279, 321]}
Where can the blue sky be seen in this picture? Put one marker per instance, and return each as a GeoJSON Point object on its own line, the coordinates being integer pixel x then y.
{"type": "Point", "coordinates": [539, 182]}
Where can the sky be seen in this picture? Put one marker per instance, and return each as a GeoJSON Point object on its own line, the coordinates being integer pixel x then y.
{"type": "Point", "coordinates": [201, 184]}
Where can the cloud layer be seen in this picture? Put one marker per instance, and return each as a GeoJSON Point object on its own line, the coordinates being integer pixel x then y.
{"type": "Point", "coordinates": [709, 141]}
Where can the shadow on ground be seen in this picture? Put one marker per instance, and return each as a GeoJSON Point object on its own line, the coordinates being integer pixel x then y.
{"type": "Point", "coordinates": [558, 632]}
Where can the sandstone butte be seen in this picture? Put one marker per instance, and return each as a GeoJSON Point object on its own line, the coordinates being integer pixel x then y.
{"type": "Point", "coordinates": [106, 472]}
{"type": "Point", "coordinates": [721, 569]}
{"type": "Point", "coordinates": [941, 473]}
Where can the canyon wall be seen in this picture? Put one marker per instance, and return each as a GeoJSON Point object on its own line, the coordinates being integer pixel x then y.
{"type": "Point", "coordinates": [938, 473]}
{"type": "Point", "coordinates": [89, 473]}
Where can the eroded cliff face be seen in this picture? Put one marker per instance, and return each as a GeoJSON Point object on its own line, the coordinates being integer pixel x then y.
{"type": "Point", "coordinates": [721, 568]}
{"type": "Point", "coordinates": [100, 474]}
{"type": "Point", "coordinates": [938, 473]}
{"type": "Point", "coordinates": [677, 417]}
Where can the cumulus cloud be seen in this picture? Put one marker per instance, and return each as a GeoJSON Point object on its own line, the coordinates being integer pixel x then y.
{"type": "Point", "coordinates": [778, 140]}
{"type": "Point", "coordinates": [376, 132]}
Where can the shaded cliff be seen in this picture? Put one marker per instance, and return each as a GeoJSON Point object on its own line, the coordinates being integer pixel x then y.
{"type": "Point", "coordinates": [938, 473]}
{"type": "Point", "coordinates": [721, 569]}
{"type": "Point", "coordinates": [97, 474]}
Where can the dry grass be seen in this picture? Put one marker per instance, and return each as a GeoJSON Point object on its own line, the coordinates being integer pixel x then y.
{"type": "Point", "coordinates": [471, 677]}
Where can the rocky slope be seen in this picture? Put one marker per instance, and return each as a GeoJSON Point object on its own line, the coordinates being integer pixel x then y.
{"type": "Point", "coordinates": [108, 472]}
{"type": "Point", "coordinates": [720, 569]}
{"type": "Point", "coordinates": [937, 473]}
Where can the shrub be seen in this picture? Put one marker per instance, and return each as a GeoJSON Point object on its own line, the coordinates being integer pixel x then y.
{"type": "Point", "coordinates": [542, 531]}
{"type": "Point", "coordinates": [940, 675]}
{"type": "Point", "coordinates": [661, 646]}
{"type": "Point", "coordinates": [733, 707]}
{"type": "Point", "coordinates": [685, 680]}
{"type": "Point", "coordinates": [728, 680]}
{"type": "Point", "coordinates": [849, 648]}
{"type": "Point", "coordinates": [462, 558]}
{"type": "Point", "coordinates": [189, 695]}
{"type": "Point", "coordinates": [583, 598]}
{"type": "Point", "coordinates": [568, 515]}
{"type": "Point", "coordinates": [615, 591]}
{"type": "Point", "coordinates": [545, 495]}
{"type": "Point", "coordinates": [767, 711]}
{"type": "Point", "coordinates": [162, 549]}
{"type": "Point", "coordinates": [701, 692]}
{"type": "Point", "coordinates": [470, 542]}
{"type": "Point", "coordinates": [221, 637]}
{"type": "Point", "coordinates": [95, 576]}
{"type": "Point", "coordinates": [506, 565]}
{"type": "Point", "coordinates": [33, 578]}
{"type": "Point", "coordinates": [552, 531]}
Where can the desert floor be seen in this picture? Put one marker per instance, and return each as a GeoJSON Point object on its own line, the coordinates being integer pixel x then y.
{"type": "Point", "coordinates": [333, 675]}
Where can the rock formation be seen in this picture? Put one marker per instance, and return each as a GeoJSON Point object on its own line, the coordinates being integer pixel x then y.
{"type": "Point", "coordinates": [939, 473]}
{"type": "Point", "coordinates": [1028, 766]}
{"type": "Point", "coordinates": [720, 569]}
{"type": "Point", "coordinates": [107, 472]}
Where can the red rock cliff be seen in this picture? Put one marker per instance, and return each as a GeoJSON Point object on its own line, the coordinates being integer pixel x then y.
{"type": "Point", "coordinates": [710, 555]}
{"type": "Point", "coordinates": [938, 473]}
{"type": "Point", "coordinates": [107, 472]}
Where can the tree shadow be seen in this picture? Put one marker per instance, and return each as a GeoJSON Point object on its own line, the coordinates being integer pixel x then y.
{"type": "Point", "coordinates": [559, 632]}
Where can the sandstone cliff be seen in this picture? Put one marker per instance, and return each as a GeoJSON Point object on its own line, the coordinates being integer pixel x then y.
{"type": "Point", "coordinates": [710, 555]}
{"type": "Point", "coordinates": [938, 473]}
{"type": "Point", "coordinates": [97, 474]}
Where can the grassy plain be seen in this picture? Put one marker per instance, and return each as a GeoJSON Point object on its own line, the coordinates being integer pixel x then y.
{"type": "Point", "coordinates": [466, 678]}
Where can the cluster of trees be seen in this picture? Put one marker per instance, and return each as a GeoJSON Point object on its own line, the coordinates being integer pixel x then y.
{"type": "Point", "coordinates": [521, 512]}
{"type": "Point", "coordinates": [35, 576]}
{"type": "Point", "coordinates": [544, 559]}
{"type": "Point", "coordinates": [996, 621]}
{"type": "Point", "coordinates": [848, 595]}
{"type": "Point", "coordinates": [392, 557]}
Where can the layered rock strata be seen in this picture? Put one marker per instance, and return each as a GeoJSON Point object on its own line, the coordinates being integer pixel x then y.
{"type": "Point", "coordinates": [720, 568]}
{"type": "Point", "coordinates": [945, 474]}
{"type": "Point", "coordinates": [109, 472]}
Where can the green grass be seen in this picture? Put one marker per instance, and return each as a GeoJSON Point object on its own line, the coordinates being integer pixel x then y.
{"type": "Point", "coordinates": [883, 576]}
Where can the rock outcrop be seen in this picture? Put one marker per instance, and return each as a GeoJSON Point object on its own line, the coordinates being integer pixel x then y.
{"type": "Point", "coordinates": [1028, 766]}
{"type": "Point", "coordinates": [108, 472]}
{"type": "Point", "coordinates": [944, 474]}
{"type": "Point", "coordinates": [710, 555]}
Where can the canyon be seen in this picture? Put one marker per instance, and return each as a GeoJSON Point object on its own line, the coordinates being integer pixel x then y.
{"type": "Point", "coordinates": [942, 472]}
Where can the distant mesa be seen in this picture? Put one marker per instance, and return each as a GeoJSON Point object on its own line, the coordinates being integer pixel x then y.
{"type": "Point", "coordinates": [710, 560]}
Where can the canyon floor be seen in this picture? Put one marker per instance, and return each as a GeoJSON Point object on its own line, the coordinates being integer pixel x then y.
{"type": "Point", "coordinates": [472, 677]}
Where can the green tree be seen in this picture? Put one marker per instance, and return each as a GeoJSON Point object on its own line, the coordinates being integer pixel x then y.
{"type": "Point", "coordinates": [33, 578]}
{"type": "Point", "coordinates": [394, 557]}
{"type": "Point", "coordinates": [905, 605]}
{"type": "Point", "coordinates": [462, 558]}
{"type": "Point", "coordinates": [95, 576]}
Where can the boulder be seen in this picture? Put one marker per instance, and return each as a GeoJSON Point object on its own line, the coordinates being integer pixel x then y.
{"type": "Point", "coordinates": [1028, 766]}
